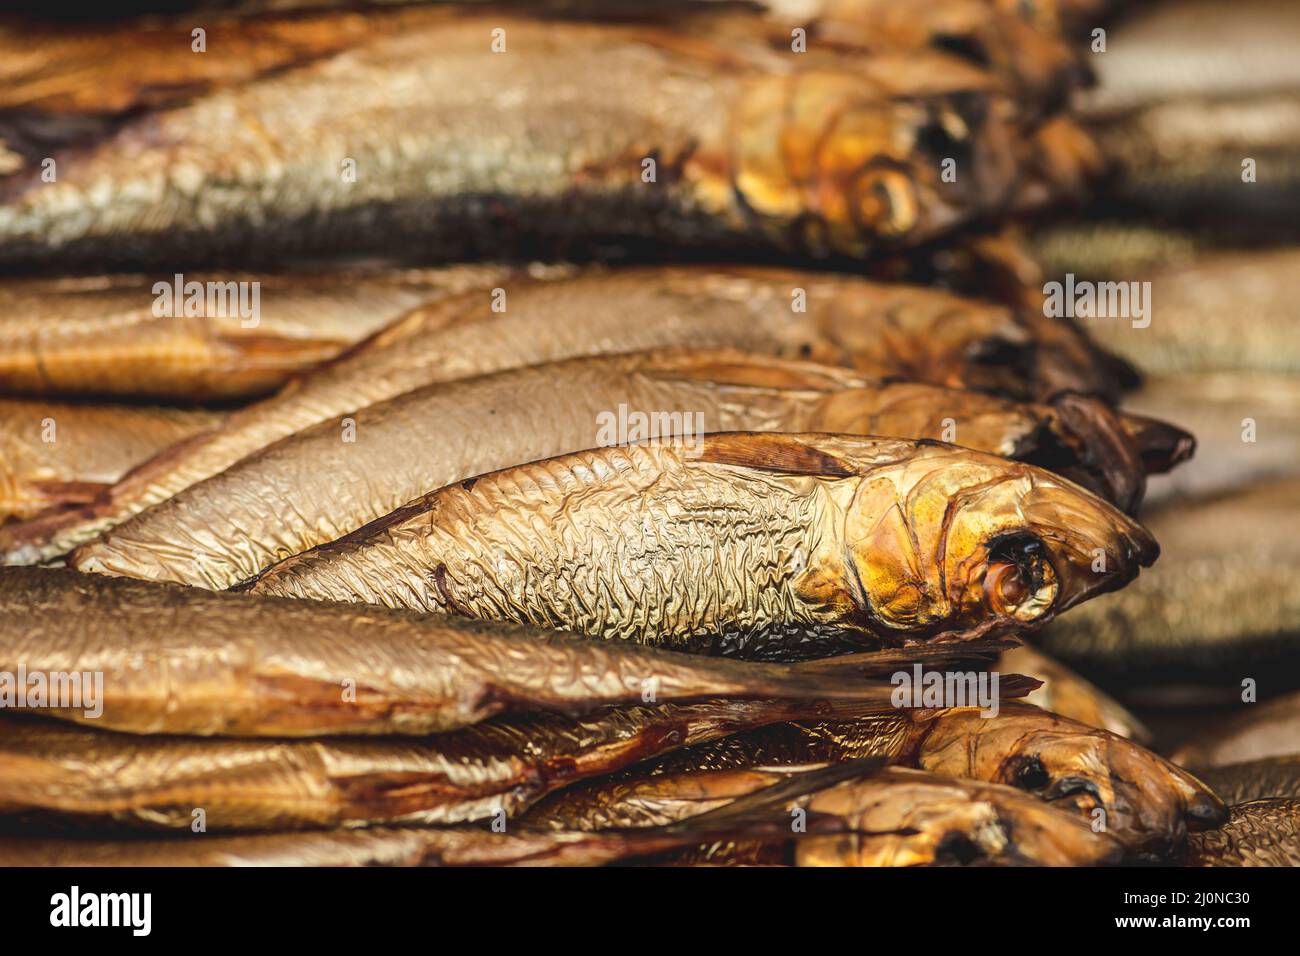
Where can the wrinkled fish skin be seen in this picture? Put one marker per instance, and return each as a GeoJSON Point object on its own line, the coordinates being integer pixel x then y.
{"type": "Point", "coordinates": [59, 453]}
{"type": "Point", "coordinates": [1148, 802]}
{"type": "Point", "coordinates": [882, 330]}
{"type": "Point", "coordinates": [555, 129]}
{"type": "Point", "coordinates": [71, 773]}
{"type": "Point", "coordinates": [1255, 779]}
{"type": "Point", "coordinates": [100, 335]}
{"type": "Point", "coordinates": [372, 846]}
{"type": "Point", "coordinates": [1258, 833]}
{"type": "Point", "coordinates": [1221, 606]}
{"type": "Point", "coordinates": [312, 488]}
{"type": "Point", "coordinates": [1066, 693]}
{"type": "Point", "coordinates": [744, 543]}
{"type": "Point", "coordinates": [896, 817]}
{"type": "Point", "coordinates": [184, 661]}
{"type": "Point", "coordinates": [1269, 728]}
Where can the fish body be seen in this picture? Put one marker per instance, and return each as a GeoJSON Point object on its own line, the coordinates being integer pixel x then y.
{"type": "Point", "coordinates": [896, 817]}
{"type": "Point", "coordinates": [747, 544]}
{"type": "Point", "coordinates": [314, 487]}
{"type": "Point", "coordinates": [198, 337]}
{"type": "Point", "coordinates": [61, 773]}
{"type": "Point", "coordinates": [55, 454]}
{"type": "Point", "coordinates": [1259, 833]}
{"type": "Point", "coordinates": [1142, 799]}
{"type": "Point", "coordinates": [185, 661]}
{"type": "Point", "coordinates": [1221, 606]}
{"type": "Point", "coordinates": [882, 330]}
{"type": "Point", "coordinates": [533, 139]}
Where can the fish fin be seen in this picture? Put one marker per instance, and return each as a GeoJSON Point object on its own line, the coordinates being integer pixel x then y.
{"type": "Point", "coordinates": [981, 651]}
{"type": "Point", "coordinates": [760, 809]}
{"type": "Point", "coordinates": [785, 454]}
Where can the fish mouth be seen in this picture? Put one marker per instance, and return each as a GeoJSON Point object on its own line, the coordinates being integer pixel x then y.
{"type": "Point", "coordinates": [1161, 445]}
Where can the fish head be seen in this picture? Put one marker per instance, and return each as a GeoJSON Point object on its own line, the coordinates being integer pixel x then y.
{"type": "Point", "coordinates": [919, 335]}
{"type": "Point", "coordinates": [954, 543]}
{"type": "Point", "coordinates": [911, 818]}
{"type": "Point", "coordinates": [1113, 783]}
{"type": "Point", "coordinates": [917, 410]}
{"type": "Point", "coordinates": [849, 164]}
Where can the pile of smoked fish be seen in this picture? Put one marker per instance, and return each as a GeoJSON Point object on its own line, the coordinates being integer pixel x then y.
{"type": "Point", "coordinates": [561, 432]}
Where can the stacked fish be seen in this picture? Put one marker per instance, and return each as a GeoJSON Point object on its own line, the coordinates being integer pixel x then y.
{"type": "Point", "coordinates": [628, 407]}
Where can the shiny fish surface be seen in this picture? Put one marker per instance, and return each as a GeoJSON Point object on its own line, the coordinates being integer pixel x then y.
{"type": "Point", "coordinates": [1147, 802]}
{"type": "Point", "coordinates": [185, 661]}
{"type": "Point", "coordinates": [122, 336]}
{"type": "Point", "coordinates": [1221, 606]}
{"type": "Point", "coordinates": [537, 148]}
{"type": "Point", "coordinates": [895, 817]}
{"type": "Point", "coordinates": [311, 488]}
{"type": "Point", "coordinates": [54, 454]}
{"type": "Point", "coordinates": [93, 777]}
{"type": "Point", "coordinates": [1259, 833]}
{"type": "Point", "coordinates": [745, 544]}
{"type": "Point", "coordinates": [882, 330]}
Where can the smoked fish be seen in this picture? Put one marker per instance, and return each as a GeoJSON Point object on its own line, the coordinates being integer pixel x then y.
{"type": "Point", "coordinates": [199, 337]}
{"type": "Point", "coordinates": [745, 544]}
{"type": "Point", "coordinates": [522, 136]}
{"type": "Point", "coordinates": [895, 817]}
{"type": "Point", "coordinates": [316, 486]}
{"type": "Point", "coordinates": [1139, 797]}
{"type": "Point", "coordinates": [77, 775]}
{"type": "Point", "coordinates": [883, 330]}
{"type": "Point", "coordinates": [56, 454]}
{"type": "Point", "coordinates": [180, 660]}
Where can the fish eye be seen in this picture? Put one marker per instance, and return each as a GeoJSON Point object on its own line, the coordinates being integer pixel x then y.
{"type": "Point", "coordinates": [885, 201]}
{"type": "Point", "coordinates": [1031, 774]}
{"type": "Point", "coordinates": [957, 848]}
{"type": "Point", "coordinates": [1019, 580]}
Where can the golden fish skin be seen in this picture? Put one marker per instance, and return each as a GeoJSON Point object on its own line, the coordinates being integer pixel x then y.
{"type": "Point", "coordinates": [1221, 606]}
{"type": "Point", "coordinates": [100, 335]}
{"type": "Point", "coordinates": [55, 454]}
{"type": "Point", "coordinates": [1145, 801]}
{"type": "Point", "coordinates": [311, 488]}
{"type": "Point", "coordinates": [372, 846]}
{"type": "Point", "coordinates": [896, 817]}
{"type": "Point", "coordinates": [745, 543]}
{"type": "Point", "coordinates": [1269, 728]}
{"type": "Point", "coordinates": [536, 148]}
{"type": "Point", "coordinates": [1258, 833]}
{"type": "Point", "coordinates": [1255, 779]}
{"type": "Point", "coordinates": [84, 776]}
{"type": "Point", "coordinates": [185, 661]}
{"type": "Point", "coordinates": [882, 330]}
{"type": "Point", "coordinates": [1066, 693]}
